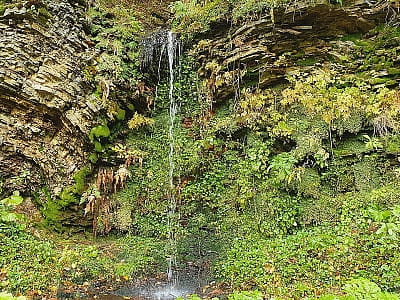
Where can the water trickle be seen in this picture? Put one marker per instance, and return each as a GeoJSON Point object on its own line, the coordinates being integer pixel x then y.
{"type": "Point", "coordinates": [173, 108]}
{"type": "Point", "coordinates": [156, 48]}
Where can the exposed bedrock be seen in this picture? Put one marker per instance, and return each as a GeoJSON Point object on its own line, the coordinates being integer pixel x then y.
{"type": "Point", "coordinates": [264, 51]}
{"type": "Point", "coordinates": [44, 114]}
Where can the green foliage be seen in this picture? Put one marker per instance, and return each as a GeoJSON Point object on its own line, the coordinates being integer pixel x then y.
{"type": "Point", "coordinates": [246, 295]}
{"type": "Point", "coordinates": [196, 16]}
{"type": "Point", "coordinates": [116, 31]}
{"type": "Point", "coordinates": [282, 167]}
{"type": "Point", "coordinates": [362, 289]}
{"type": "Point", "coordinates": [365, 289]}
{"type": "Point", "coordinates": [13, 200]}
{"type": "Point", "coordinates": [320, 95]}
{"type": "Point", "coordinates": [57, 261]}
{"type": "Point", "coordinates": [53, 207]}
{"type": "Point", "coordinates": [6, 207]}
{"type": "Point", "coordinates": [16, 251]}
{"type": "Point", "coordinates": [99, 131]}
{"type": "Point", "coordinates": [70, 194]}
{"type": "Point", "coordinates": [8, 296]}
{"type": "Point", "coordinates": [318, 257]}
{"type": "Point", "coordinates": [22, 273]}
{"type": "Point", "coordinates": [139, 120]}
{"type": "Point", "coordinates": [139, 256]}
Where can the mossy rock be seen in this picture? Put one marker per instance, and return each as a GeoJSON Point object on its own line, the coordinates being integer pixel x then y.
{"type": "Point", "coordinates": [339, 177]}
{"type": "Point", "coordinates": [321, 210]}
{"type": "Point", "coordinates": [366, 176]}
{"type": "Point", "coordinates": [352, 124]}
{"type": "Point", "coordinates": [56, 210]}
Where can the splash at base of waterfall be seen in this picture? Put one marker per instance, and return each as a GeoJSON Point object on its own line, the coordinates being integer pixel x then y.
{"type": "Point", "coordinates": [190, 282]}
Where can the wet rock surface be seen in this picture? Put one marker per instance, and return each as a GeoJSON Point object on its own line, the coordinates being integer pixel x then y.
{"type": "Point", "coordinates": [44, 114]}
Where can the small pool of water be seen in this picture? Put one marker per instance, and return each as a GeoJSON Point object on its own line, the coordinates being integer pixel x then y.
{"type": "Point", "coordinates": [185, 283]}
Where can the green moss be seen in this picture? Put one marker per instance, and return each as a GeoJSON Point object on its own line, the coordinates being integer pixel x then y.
{"type": "Point", "coordinates": [391, 82]}
{"type": "Point", "coordinates": [98, 92]}
{"type": "Point", "coordinates": [99, 131]}
{"type": "Point", "coordinates": [80, 178]}
{"type": "Point", "coordinates": [67, 197]}
{"type": "Point", "coordinates": [310, 183]}
{"type": "Point", "coordinates": [49, 208]}
{"type": "Point", "coordinates": [44, 15]}
{"type": "Point", "coordinates": [367, 46]}
{"type": "Point", "coordinates": [299, 54]}
{"type": "Point", "coordinates": [366, 176]}
{"type": "Point", "coordinates": [52, 208]}
{"type": "Point", "coordinates": [4, 4]}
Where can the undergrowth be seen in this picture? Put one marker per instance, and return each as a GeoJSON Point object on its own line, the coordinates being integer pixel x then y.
{"type": "Point", "coordinates": [33, 262]}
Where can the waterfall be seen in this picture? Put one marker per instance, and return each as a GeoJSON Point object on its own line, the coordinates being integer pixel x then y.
{"type": "Point", "coordinates": [157, 46]}
{"type": "Point", "coordinates": [171, 50]}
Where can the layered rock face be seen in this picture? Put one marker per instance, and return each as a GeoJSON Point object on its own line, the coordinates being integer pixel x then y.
{"type": "Point", "coordinates": [44, 115]}
{"type": "Point", "coordinates": [263, 52]}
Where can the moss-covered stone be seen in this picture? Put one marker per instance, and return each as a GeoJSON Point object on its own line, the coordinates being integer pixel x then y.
{"type": "Point", "coordinates": [56, 209]}
{"type": "Point", "coordinates": [310, 183]}
{"type": "Point", "coordinates": [366, 176]}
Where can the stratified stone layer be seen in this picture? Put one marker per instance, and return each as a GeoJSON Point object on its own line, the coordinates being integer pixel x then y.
{"type": "Point", "coordinates": [44, 114]}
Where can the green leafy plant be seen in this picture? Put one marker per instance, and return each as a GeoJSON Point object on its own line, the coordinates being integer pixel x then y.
{"type": "Point", "coordinates": [7, 204]}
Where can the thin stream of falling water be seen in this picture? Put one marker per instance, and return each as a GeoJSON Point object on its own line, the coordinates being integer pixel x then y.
{"type": "Point", "coordinates": [171, 47]}
{"type": "Point", "coordinates": [159, 75]}
{"type": "Point", "coordinates": [155, 46]}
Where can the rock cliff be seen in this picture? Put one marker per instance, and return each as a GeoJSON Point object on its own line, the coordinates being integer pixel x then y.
{"type": "Point", "coordinates": [44, 114]}
{"type": "Point", "coordinates": [262, 52]}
